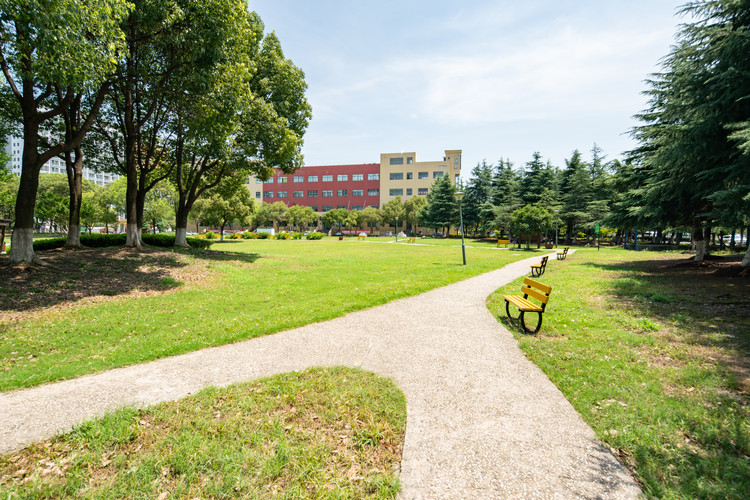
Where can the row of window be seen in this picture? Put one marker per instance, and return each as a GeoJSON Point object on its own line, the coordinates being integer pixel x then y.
{"type": "Point", "coordinates": [314, 193]}
{"type": "Point", "coordinates": [399, 176]}
{"type": "Point", "coordinates": [409, 192]}
{"type": "Point", "coordinates": [399, 160]}
{"type": "Point", "coordinates": [326, 178]}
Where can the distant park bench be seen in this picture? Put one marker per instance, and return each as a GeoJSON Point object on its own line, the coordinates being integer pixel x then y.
{"type": "Point", "coordinates": [412, 239]}
{"type": "Point", "coordinates": [563, 254]}
{"type": "Point", "coordinates": [503, 242]}
{"type": "Point", "coordinates": [362, 237]}
{"type": "Point", "coordinates": [538, 269]}
{"type": "Point", "coordinates": [535, 290]}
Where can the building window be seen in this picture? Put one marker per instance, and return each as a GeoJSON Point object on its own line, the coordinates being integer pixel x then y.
{"type": "Point", "coordinates": [397, 161]}
{"type": "Point", "coordinates": [258, 181]}
{"type": "Point", "coordinates": [422, 191]}
{"type": "Point", "coordinates": [409, 160]}
{"type": "Point", "coordinates": [397, 176]}
{"type": "Point", "coordinates": [315, 208]}
{"type": "Point", "coordinates": [342, 177]}
{"type": "Point", "coordinates": [423, 175]}
{"type": "Point", "coordinates": [299, 178]}
{"type": "Point", "coordinates": [341, 192]}
{"type": "Point", "coordinates": [457, 176]}
{"type": "Point", "coordinates": [298, 194]}
{"type": "Point", "coordinates": [282, 180]}
{"type": "Point", "coordinates": [281, 194]}
{"type": "Point", "coordinates": [373, 177]}
{"type": "Point", "coordinates": [437, 175]}
{"type": "Point", "coordinates": [358, 177]}
{"type": "Point", "coordinates": [269, 181]}
{"type": "Point", "coordinates": [455, 162]}
{"type": "Point", "coordinates": [396, 192]}
{"type": "Point", "coordinates": [312, 178]}
{"type": "Point", "coordinates": [357, 207]}
{"type": "Point", "coordinates": [267, 194]}
{"type": "Point", "coordinates": [327, 178]}
{"type": "Point", "coordinates": [358, 192]}
{"type": "Point", "coordinates": [327, 194]}
{"type": "Point", "coordinates": [326, 208]}
{"type": "Point", "coordinates": [373, 192]}
{"type": "Point", "coordinates": [313, 194]}
{"type": "Point", "coordinates": [408, 192]}
{"type": "Point", "coordinates": [409, 175]}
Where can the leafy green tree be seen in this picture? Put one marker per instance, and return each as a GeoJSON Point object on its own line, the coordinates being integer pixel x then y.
{"type": "Point", "coordinates": [335, 217]}
{"type": "Point", "coordinates": [222, 208]}
{"type": "Point", "coordinates": [300, 216]}
{"type": "Point", "coordinates": [371, 217]}
{"type": "Point", "coordinates": [158, 210]}
{"type": "Point", "coordinates": [413, 211]}
{"type": "Point", "coordinates": [442, 207]}
{"type": "Point", "coordinates": [52, 49]}
{"type": "Point", "coordinates": [576, 195]}
{"type": "Point", "coordinates": [260, 216]}
{"type": "Point", "coordinates": [692, 138]}
{"type": "Point", "coordinates": [477, 192]}
{"type": "Point", "coordinates": [393, 212]}
{"type": "Point", "coordinates": [530, 220]}
{"type": "Point", "coordinates": [506, 186]}
{"type": "Point", "coordinates": [277, 212]}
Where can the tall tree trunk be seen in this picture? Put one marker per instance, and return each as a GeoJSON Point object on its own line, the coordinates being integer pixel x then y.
{"type": "Point", "coordinates": [181, 220]}
{"type": "Point", "coordinates": [74, 169]}
{"type": "Point", "coordinates": [22, 239]}
{"type": "Point", "coordinates": [700, 241]}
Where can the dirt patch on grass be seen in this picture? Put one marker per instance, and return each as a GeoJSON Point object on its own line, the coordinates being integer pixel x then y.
{"type": "Point", "coordinates": [70, 277]}
{"type": "Point", "coordinates": [708, 302]}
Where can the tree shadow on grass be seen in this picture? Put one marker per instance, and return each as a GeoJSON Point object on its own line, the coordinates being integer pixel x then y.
{"type": "Point", "coordinates": [709, 303]}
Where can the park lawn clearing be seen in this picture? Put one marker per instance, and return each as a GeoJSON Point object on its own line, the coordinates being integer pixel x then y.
{"type": "Point", "coordinates": [321, 433]}
{"type": "Point", "coordinates": [132, 309]}
{"type": "Point", "coordinates": [653, 351]}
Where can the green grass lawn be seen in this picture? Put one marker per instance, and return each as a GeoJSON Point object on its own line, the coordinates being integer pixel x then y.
{"type": "Point", "coordinates": [252, 288]}
{"type": "Point", "coordinates": [322, 433]}
{"type": "Point", "coordinates": [653, 357]}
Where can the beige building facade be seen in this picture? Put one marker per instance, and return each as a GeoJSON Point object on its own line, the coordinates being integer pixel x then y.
{"type": "Point", "coordinates": [401, 174]}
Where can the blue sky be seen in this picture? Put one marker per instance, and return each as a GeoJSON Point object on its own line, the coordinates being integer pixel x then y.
{"type": "Point", "coordinates": [493, 78]}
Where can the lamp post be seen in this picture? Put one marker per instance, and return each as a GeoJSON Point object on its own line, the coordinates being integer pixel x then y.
{"type": "Point", "coordinates": [460, 196]}
{"type": "Point", "coordinates": [556, 231]}
{"type": "Point", "coordinates": [396, 229]}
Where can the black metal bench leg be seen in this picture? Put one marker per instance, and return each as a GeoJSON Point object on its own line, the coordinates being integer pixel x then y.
{"type": "Point", "coordinates": [523, 324]}
{"type": "Point", "coordinates": [507, 311]}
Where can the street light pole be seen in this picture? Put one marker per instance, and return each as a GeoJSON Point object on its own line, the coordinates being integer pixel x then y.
{"type": "Point", "coordinates": [396, 228]}
{"type": "Point", "coordinates": [460, 196]}
{"type": "Point", "coordinates": [556, 231]}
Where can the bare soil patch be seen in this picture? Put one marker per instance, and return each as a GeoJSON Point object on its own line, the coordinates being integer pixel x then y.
{"type": "Point", "coordinates": [68, 277]}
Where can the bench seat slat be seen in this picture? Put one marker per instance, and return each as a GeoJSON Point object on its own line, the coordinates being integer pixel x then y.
{"type": "Point", "coordinates": [521, 303]}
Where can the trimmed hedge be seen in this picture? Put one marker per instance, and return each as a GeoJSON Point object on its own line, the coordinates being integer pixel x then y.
{"type": "Point", "coordinates": [99, 240]}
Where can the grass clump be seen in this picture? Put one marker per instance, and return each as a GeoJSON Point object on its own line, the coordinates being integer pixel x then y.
{"type": "Point", "coordinates": [655, 361]}
{"type": "Point", "coordinates": [295, 435]}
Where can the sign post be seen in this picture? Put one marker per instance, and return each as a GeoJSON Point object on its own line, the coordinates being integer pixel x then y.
{"type": "Point", "coordinates": [596, 230]}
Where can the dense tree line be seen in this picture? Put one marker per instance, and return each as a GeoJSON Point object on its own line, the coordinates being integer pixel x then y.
{"type": "Point", "coordinates": [187, 92]}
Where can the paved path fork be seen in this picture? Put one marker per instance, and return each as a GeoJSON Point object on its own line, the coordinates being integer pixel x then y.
{"type": "Point", "coordinates": [482, 420]}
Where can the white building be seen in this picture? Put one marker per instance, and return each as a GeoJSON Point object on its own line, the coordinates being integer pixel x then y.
{"type": "Point", "coordinates": [14, 148]}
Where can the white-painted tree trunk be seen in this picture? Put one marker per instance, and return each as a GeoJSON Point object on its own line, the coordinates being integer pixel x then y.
{"type": "Point", "coordinates": [180, 237]}
{"type": "Point", "coordinates": [700, 250]}
{"type": "Point", "coordinates": [133, 236]}
{"type": "Point", "coordinates": [22, 246]}
{"type": "Point", "coordinates": [746, 258]}
{"type": "Point", "coordinates": [74, 237]}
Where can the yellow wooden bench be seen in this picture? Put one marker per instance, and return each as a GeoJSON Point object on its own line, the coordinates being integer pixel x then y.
{"type": "Point", "coordinates": [563, 254]}
{"type": "Point", "coordinates": [362, 237]}
{"type": "Point", "coordinates": [535, 290]}
{"type": "Point", "coordinates": [538, 269]}
{"type": "Point", "coordinates": [503, 242]}
{"type": "Point", "coordinates": [412, 239]}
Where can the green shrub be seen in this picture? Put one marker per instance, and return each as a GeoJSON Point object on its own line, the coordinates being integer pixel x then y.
{"type": "Point", "coordinates": [296, 235]}
{"type": "Point", "coordinates": [98, 240]}
{"type": "Point", "coordinates": [248, 235]}
{"type": "Point", "coordinates": [315, 236]}
{"type": "Point", "coordinates": [283, 235]}
{"type": "Point", "coordinates": [200, 243]}
{"type": "Point", "coordinates": [158, 240]}
{"type": "Point", "coordinates": [210, 235]}
{"type": "Point", "coordinates": [263, 236]}
{"type": "Point", "coordinates": [49, 243]}
{"type": "Point", "coordinates": [236, 236]}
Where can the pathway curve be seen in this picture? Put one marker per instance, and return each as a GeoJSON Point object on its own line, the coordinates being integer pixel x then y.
{"type": "Point", "coordinates": [482, 420]}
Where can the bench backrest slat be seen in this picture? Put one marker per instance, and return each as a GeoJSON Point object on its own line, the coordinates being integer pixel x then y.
{"type": "Point", "coordinates": [541, 297]}
{"type": "Point", "coordinates": [528, 282]}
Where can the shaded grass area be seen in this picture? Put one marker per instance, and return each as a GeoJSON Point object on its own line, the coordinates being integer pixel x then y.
{"type": "Point", "coordinates": [653, 355]}
{"type": "Point", "coordinates": [321, 433]}
{"type": "Point", "coordinates": [247, 289]}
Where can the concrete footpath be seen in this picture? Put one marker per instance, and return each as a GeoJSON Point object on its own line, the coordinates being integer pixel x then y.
{"type": "Point", "coordinates": [482, 420]}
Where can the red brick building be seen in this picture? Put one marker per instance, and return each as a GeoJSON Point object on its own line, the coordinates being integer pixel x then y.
{"type": "Point", "coordinates": [323, 188]}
